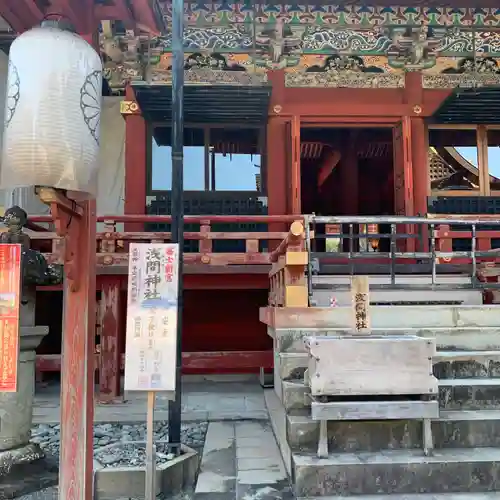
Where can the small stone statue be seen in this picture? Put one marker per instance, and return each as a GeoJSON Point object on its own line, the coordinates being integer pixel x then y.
{"type": "Point", "coordinates": [35, 269]}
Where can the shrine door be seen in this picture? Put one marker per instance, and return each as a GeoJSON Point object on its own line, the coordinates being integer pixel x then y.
{"type": "Point", "coordinates": [403, 181]}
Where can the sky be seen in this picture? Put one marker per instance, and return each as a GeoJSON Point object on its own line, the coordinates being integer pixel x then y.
{"type": "Point", "coordinates": [470, 154]}
{"type": "Point", "coordinates": [238, 174]}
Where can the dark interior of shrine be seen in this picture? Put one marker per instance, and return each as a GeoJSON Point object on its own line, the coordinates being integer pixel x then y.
{"type": "Point", "coordinates": [329, 183]}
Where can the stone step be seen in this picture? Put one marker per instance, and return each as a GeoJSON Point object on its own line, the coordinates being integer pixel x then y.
{"type": "Point", "coordinates": [472, 338]}
{"type": "Point", "coordinates": [397, 472]}
{"type": "Point", "coordinates": [466, 364]}
{"type": "Point", "coordinates": [452, 430]}
{"type": "Point", "coordinates": [322, 298]}
{"type": "Point", "coordinates": [417, 496]}
{"type": "Point", "coordinates": [454, 394]}
{"type": "Point", "coordinates": [447, 364]}
{"type": "Point", "coordinates": [392, 318]}
{"type": "Point", "coordinates": [469, 393]}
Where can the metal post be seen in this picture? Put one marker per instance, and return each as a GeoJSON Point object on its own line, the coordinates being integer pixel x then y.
{"type": "Point", "coordinates": [174, 408]}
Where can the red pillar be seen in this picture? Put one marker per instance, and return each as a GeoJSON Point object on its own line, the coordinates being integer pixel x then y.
{"type": "Point", "coordinates": [420, 160]}
{"type": "Point", "coordinates": [136, 148]}
{"type": "Point", "coordinates": [77, 363]}
{"type": "Point", "coordinates": [276, 161]}
{"type": "Point", "coordinates": [112, 337]}
{"type": "Point", "coordinates": [76, 474]}
{"type": "Point", "coordinates": [349, 175]}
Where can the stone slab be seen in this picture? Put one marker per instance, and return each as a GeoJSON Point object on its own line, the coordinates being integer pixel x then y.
{"type": "Point", "coordinates": [386, 317]}
{"type": "Point", "coordinates": [398, 472]}
{"type": "Point", "coordinates": [291, 340]}
{"type": "Point", "coordinates": [343, 297]}
{"type": "Point", "coordinates": [417, 496]}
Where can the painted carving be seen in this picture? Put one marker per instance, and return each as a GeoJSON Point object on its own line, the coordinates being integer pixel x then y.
{"type": "Point", "coordinates": [216, 62]}
{"type": "Point", "coordinates": [468, 72]}
{"type": "Point", "coordinates": [413, 48]}
{"type": "Point", "coordinates": [294, 37]}
{"type": "Point", "coordinates": [278, 45]}
{"type": "Point", "coordinates": [123, 59]}
{"type": "Point", "coordinates": [344, 71]}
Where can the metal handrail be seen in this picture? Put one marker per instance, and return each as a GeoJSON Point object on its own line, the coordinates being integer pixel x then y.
{"type": "Point", "coordinates": [427, 252]}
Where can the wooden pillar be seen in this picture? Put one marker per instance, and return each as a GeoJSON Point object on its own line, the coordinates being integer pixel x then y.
{"type": "Point", "coordinates": [295, 175]}
{"type": "Point", "coordinates": [349, 175]}
{"type": "Point", "coordinates": [276, 181]}
{"type": "Point", "coordinates": [136, 159]}
{"type": "Point", "coordinates": [420, 163]}
{"type": "Point", "coordinates": [112, 337]}
{"type": "Point", "coordinates": [77, 225]}
{"type": "Point", "coordinates": [76, 461]}
{"type": "Point", "coordinates": [349, 179]}
{"type": "Point", "coordinates": [482, 160]}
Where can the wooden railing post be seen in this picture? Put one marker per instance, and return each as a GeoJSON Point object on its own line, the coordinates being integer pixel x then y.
{"type": "Point", "coordinates": [205, 243]}
{"type": "Point", "coordinates": [288, 286]}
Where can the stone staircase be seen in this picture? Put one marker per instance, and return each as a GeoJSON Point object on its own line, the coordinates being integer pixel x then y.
{"type": "Point", "coordinates": [385, 457]}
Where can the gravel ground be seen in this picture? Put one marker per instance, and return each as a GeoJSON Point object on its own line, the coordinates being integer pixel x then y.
{"type": "Point", "coordinates": [51, 494]}
{"type": "Point", "coordinates": [192, 435]}
{"type": "Point", "coordinates": [114, 447]}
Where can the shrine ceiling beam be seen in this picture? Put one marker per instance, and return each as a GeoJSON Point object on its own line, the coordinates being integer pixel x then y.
{"type": "Point", "coordinates": [120, 11]}
{"type": "Point", "coordinates": [21, 14]}
{"type": "Point", "coordinates": [79, 12]}
{"type": "Point", "coordinates": [12, 19]}
{"type": "Point", "coordinates": [148, 16]}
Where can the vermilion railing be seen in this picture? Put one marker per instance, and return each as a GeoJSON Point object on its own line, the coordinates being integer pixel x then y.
{"type": "Point", "coordinates": [112, 245]}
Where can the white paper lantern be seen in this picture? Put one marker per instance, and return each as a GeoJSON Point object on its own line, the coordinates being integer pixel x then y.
{"type": "Point", "coordinates": [52, 112]}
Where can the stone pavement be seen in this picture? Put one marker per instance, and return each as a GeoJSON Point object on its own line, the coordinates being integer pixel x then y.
{"type": "Point", "coordinates": [240, 458]}
{"type": "Point", "coordinates": [241, 461]}
{"type": "Point", "coordinates": [203, 399]}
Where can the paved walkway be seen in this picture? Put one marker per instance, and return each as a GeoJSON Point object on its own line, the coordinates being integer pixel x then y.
{"type": "Point", "coordinates": [241, 461]}
{"type": "Point", "coordinates": [203, 398]}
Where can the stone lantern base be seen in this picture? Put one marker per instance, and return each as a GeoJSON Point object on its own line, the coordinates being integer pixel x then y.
{"type": "Point", "coordinates": [16, 409]}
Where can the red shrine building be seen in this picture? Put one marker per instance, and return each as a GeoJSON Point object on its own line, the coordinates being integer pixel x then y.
{"type": "Point", "coordinates": [289, 109]}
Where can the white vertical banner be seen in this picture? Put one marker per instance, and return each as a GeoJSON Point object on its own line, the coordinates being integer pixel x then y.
{"type": "Point", "coordinates": [151, 338]}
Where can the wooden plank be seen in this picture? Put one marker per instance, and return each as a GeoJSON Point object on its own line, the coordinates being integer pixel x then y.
{"type": "Point", "coordinates": [112, 333]}
{"type": "Point", "coordinates": [371, 366]}
{"type": "Point", "coordinates": [374, 410]}
{"type": "Point", "coordinates": [360, 300]}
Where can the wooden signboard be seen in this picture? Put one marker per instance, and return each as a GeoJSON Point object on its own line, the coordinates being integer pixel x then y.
{"type": "Point", "coordinates": [10, 289]}
{"type": "Point", "coordinates": [360, 297]}
{"type": "Point", "coordinates": [151, 336]}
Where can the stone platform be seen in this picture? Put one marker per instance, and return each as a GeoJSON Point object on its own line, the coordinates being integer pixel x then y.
{"type": "Point", "coordinates": [385, 458]}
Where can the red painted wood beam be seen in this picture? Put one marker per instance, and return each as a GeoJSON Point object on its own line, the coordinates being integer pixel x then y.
{"type": "Point", "coordinates": [15, 21]}
{"type": "Point", "coordinates": [330, 161]}
{"type": "Point", "coordinates": [80, 13]}
{"type": "Point", "coordinates": [191, 361]}
{"type": "Point", "coordinates": [135, 165]}
{"type": "Point", "coordinates": [144, 16]}
{"type": "Point", "coordinates": [120, 11]}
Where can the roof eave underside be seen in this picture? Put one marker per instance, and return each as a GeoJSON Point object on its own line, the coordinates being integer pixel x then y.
{"type": "Point", "coordinates": [207, 104]}
{"type": "Point", "coordinates": [480, 106]}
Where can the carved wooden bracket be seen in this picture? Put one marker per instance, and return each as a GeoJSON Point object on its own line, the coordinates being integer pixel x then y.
{"type": "Point", "coordinates": [67, 215]}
